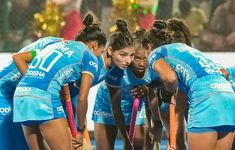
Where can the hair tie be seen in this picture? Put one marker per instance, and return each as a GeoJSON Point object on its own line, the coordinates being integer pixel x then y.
{"type": "Point", "coordinates": [162, 31]}
{"type": "Point", "coordinates": [158, 30]}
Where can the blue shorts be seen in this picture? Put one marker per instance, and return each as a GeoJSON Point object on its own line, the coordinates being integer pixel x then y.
{"type": "Point", "coordinates": [211, 129]}
{"type": "Point", "coordinates": [29, 123]}
{"type": "Point", "coordinates": [102, 112]}
{"type": "Point", "coordinates": [211, 103]}
{"type": "Point", "coordinates": [12, 137]}
{"type": "Point", "coordinates": [34, 104]}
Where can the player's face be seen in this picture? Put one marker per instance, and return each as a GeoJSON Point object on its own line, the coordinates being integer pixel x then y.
{"type": "Point", "coordinates": [122, 58]}
{"type": "Point", "coordinates": [140, 61]}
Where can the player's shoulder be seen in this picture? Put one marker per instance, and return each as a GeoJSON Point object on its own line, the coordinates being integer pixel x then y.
{"type": "Point", "coordinates": [48, 40]}
{"type": "Point", "coordinates": [231, 71]}
{"type": "Point", "coordinates": [174, 45]}
{"type": "Point", "coordinates": [76, 44]}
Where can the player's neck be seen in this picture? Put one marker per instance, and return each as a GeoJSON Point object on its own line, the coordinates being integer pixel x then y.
{"type": "Point", "coordinates": [107, 61]}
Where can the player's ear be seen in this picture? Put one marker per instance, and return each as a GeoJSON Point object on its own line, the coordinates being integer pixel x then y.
{"type": "Point", "coordinates": [95, 45]}
{"type": "Point", "coordinates": [109, 51]}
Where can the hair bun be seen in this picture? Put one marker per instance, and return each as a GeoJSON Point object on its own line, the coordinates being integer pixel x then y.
{"type": "Point", "coordinates": [139, 33]}
{"type": "Point", "coordinates": [88, 20]}
{"type": "Point", "coordinates": [160, 24]}
{"type": "Point", "coordinates": [176, 24]}
{"type": "Point", "coordinates": [121, 25]}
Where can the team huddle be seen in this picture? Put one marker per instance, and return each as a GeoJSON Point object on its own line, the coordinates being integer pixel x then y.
{"type": "Point", "coordinates": [149, 65]}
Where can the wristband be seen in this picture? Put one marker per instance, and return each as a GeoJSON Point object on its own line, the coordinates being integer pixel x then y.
{"type": "Point", "coordinates": [34, 54]}
{"type": "Point", "coordinates": [83, 129]}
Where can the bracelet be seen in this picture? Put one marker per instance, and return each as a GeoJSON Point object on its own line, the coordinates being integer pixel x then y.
{"type": "Point", "coordinates": [83, 129]}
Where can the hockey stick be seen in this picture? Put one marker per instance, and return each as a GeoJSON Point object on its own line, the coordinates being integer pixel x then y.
{"type": "Point", "coordinates": [133, 118]}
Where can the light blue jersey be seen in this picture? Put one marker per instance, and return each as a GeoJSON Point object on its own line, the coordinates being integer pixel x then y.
{"type": "Point", "coordinates": [101, 75]}
{"type": "Point", "coordinates": [188, 63]}
{"type": "Point", "coordinates": [9, 78]}
{"type": "Point", "coordinates": [56, 65]}
{"type": "Point", "coordinates": [231, 77]}
{"type": "Point", "coordinates": [208, 91]}
{"type": "Point", "coordinates": [102, 112]}
{"type": "Point", "coordinates": [74, 86]}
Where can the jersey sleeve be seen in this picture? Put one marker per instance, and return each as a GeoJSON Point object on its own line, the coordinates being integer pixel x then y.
{"type": "Point", "coordinates": [90, 64]}
{"type": "Point", "coordinates": [155, 55]}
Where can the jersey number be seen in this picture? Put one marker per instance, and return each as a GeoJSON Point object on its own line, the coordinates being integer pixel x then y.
{"type": "Point", "coordinates": [47, 61]}
{"type": "Point", "coordinates": [208, 65]}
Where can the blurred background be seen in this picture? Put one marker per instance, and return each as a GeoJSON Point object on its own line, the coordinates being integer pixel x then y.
{"type": "Point", "coordinates": [211, 22]}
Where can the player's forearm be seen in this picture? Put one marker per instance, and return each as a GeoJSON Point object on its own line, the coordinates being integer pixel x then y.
{"type": "Point", "coordinates": [154, 105]}
{"type": "Point", "coordinates": [21, 64]}
{"type": "Point", "coordinates": [22, 59]}
{"type": "Point", "coordinates": [81, 113]}
{"type": "Point", "coordinates": [180, 109]}
{"type": "Point", "coordinates": [119, 119]}
{"type": "Point", "coordinates": [147, 141]}
{"type": "Point", "coordinates": [171, 85]}
{"type": "Point", "coordinates": [115, 98]}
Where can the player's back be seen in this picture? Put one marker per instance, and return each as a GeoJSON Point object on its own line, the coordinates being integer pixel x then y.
{"type": "Point", "coordinates": [189, 63]}
{"type": "Point", "coordinates": [57, 64]}
{"type": "Point", "coordinates": [10, 76]}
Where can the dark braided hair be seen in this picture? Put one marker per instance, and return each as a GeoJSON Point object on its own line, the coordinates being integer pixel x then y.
{"type": "Point", "coordinates": [138, 37]}
{"type": "Point", "coordinates": [121, 38]}
{"type": "Point", "coordinates": [181, 31]}
{"type": "Point", "coordinates": [91, 32]}
{"type": "Point", "coordinates": [158, 35]}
